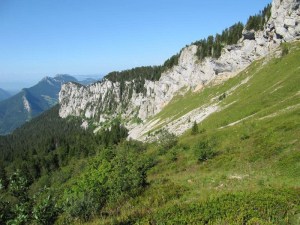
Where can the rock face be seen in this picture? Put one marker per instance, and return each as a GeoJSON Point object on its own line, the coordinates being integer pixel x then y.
{"type": "Point", "coordinates": [102, 101]}
{"type": "Point", "coordinates": [285, 19]}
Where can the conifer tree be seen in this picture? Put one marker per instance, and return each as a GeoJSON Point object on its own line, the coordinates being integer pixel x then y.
{"type": "Point", "coordinates": [3, 177]}
{"type": "Point", "coordinates": [195, 129]}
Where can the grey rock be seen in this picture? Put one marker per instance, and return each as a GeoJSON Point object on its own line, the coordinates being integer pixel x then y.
{"type": "Point", "coordinates": [95, 101]}
{"type": "Point", "coordinates": [249, 35]}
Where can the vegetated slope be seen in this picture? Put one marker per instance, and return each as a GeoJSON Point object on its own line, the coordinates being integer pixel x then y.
{"type": "Point", "coordinates": [4, 94]}
{"type": "Point", "coordinates": [241, 166]}
{"type": "Point", "coordinates": [44, 143]}
{"type": "Point", "coordinates": [30, 102]}
{"type": "Point", "coordinates": [184, 110]}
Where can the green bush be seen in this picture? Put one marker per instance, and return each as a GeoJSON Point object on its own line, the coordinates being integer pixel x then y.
{"type": "Point", "coordinates": [83, 207]}
{"type": "Point", "coordinates": [204, 150]}
{"type": "Point", "coordinates": [166, 140]}
{"type": "Point", "coordinates": [195, 129]}
{"type": "Point", "coordinates": [5, 210]}
{"type": "Point", "coordinates": [109, 179]}
{"type": "Point", "coordinates": [285, 49]}
{"type": "Point", "coordinates": [127, 177]}
{"type": "Point", "coordinates": [45, 211]}
{"type": "Point", "coordinates": [264, 207]}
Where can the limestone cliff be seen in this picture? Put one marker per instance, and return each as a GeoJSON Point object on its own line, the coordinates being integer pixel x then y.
{"type": "Point", "coordinates": [103, 100]}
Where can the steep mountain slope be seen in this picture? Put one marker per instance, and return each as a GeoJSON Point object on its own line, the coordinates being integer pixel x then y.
{"type": "Point", "coordinates": [30, 102]}
{"type": "Point", "coordinates": [238, 165]}
{"type": "Point", "coordinates": [108, 99]}
{"type": "Point", "coordinates": [4, 94]}
{"type": "Point", "coordinates": [241, 166]}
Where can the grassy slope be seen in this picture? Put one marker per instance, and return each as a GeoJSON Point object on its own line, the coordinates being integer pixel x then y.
{"type": "Point", "coordinates": [256, 172]}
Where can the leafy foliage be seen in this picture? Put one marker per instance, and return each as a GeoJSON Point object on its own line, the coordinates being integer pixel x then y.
{"type": "Point", "coordinates": [204, 150]}
{"type": "Point", "coordinates": [45, 209]}
{"type": "Point", "coordinates": [18, 186]}
{"type": "Point", "coordinates": [40, 209]}
{"type": "Point", "coordinates": [166, 140]}
{"type": "Point", "coordinates": [107, 182]}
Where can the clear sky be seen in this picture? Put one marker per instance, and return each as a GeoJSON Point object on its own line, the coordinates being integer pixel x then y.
{"type": "Point", "coordinates": [45, 37]}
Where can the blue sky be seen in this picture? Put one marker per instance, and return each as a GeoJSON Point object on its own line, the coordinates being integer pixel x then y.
{"type": "Point", "coordinates": [45, 37]}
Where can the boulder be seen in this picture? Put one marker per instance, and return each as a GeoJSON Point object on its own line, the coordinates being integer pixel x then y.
{"type": "Point", "coordinates": [249, 35]}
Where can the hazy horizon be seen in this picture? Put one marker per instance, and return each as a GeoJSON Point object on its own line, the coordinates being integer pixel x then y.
{"type": "Point", "coordinates": [14, 86]}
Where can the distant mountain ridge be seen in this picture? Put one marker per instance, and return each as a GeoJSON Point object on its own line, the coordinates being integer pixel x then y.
{"type": "Point", "coordinates": [31, 102]}
{"type": "Point", "coordinates": [4, 94]}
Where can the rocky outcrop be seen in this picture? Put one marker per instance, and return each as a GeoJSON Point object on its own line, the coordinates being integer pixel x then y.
{"type": "Point", "coordinates": [103, 100]}
{"type": "Point", "coordinates": [285, 20]}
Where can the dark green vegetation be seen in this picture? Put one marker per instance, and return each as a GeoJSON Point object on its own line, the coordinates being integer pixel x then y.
{"type": "Point", "coordinates": [225, 172]}
{"type": "Point", "coordinates": [258, 21]}
{"type": "Point", "coordinates": [42, 154]}
{"type": "Point", "coordinates": [30, 102]}
{"type": "Point", "coordinates": [4, 94]}
{"type": "Point", "coordinates": [213, 45]}
{"type": "Point", "coordinates": [136, 76]}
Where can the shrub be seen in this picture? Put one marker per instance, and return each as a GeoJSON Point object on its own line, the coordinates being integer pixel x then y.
{"type": "Point", "coordinates": [204, 150]}
{"type": "Point", "coordinates": [195, 129]}
{"type": "Point", "coordinates": [128, 175]}
{"type": "Point", "coordinates": [167, 140]}
{"type": "Point", "coordinates": [264, 207]}
{"type": "Point", "coordinates": [45, 211]}
{"type": "Point", "coordinates": [285, 49]}
{"type": "Point", "coordinates": [223, 96]}
{"type": "Point", "coordinates": [5, 210]}
{"type": "Point", "coordinates": [83, 206]}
